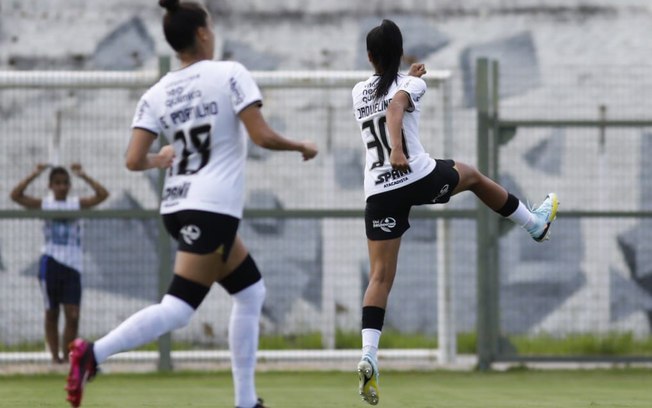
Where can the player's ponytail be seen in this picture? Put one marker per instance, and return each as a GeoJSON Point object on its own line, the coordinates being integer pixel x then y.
{"type": "Point", "coordinates": [181, 22]}
{"type": "Point", "coordinates": [170, 5]}
{"type": "Point", "coordinates": [385, 45]}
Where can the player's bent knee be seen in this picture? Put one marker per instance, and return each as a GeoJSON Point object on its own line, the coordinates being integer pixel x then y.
{"type": "Point", "coordinates": [188, 291]}
{"type": "Point", "coordinates": [253, 294]}
{"type": "Point", "coordinates": [177, 312]}
{"type": "Point", "coordinates": [244, 276]}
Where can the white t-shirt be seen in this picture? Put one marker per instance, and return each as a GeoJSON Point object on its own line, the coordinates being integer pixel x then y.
{"type": "Point", "coordinates": [196, 109]}
{"type": "Point", "coordinates": [63, 236]}
{"type": "Point", "coordinates": [370, 113]}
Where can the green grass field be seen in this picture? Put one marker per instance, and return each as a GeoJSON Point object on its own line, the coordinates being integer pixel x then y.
{"type": "Point", "coordinates": [441, 389]}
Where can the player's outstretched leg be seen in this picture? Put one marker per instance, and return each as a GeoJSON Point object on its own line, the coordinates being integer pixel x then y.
{"type": "Point", "coordinates": [544, 215]}
{"type": "Point", "coordinates": [368, 376]}
{"type": "Point", "coordinates": [82, 369]}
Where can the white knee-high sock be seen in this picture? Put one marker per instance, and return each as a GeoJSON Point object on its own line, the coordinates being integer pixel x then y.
{"type": "Point", "coordinates": [144, 326]}
{"type": "Point", "coordinates": [243, 341]}
{"type": "Point", "coordinates": [370, 340]}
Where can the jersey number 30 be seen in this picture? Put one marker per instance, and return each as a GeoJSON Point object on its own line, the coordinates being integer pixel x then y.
{"type": "Point", "coordinates": [378, 131]}
{"type": "Point", "coordinates": [198, 141]}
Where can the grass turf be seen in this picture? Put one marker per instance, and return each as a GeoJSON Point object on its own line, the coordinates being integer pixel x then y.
{"type": "Point", "coordinates": [440, 389]}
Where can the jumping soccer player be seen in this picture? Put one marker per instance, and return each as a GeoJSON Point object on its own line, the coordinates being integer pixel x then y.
{"type": "Point", "coordinates": [400, 174]}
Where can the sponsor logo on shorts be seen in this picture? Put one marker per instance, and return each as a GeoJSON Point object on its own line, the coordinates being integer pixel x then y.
{"type": "Point", "coordinates": [386, 224]}
{"type": "Point", "coordinates": [190, 233]}
{"type": "Point", "coordinates": [442, 192]}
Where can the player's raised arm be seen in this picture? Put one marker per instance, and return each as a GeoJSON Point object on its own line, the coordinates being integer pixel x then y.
{"type": "Point", "coordinates": [18, 192]}
{"type": "Point", "coordinates": [101, 193]}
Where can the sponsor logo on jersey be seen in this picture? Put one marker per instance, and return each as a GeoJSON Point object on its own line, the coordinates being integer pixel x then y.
{"type": "Point", "coordinates": [176, 192]}
{"type": "Point", "coordinates": [144, 106]}
{"type": "Point", "coordinates": [237, 95]}
{"type": "Point", "coordinates": [190, 233]}
{"type": "Point", "coordinates": [175, 99]}
{"type": "Point", "coordinates": [393, 177]}
{"type": "Point", "coordinates": [386, 224]}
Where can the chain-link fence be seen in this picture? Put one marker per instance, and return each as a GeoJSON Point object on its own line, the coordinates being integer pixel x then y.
{"type": "Point", "coordinates": [303, 221]}
{"type": "Point", "coordinates": [583, 132]}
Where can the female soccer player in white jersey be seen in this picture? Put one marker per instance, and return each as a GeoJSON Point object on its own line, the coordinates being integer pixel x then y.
{"type": "Point", "coordinates": [400, 174]}
{"type": "Point", "coordinates": [199, 109]}
{"type": "Point", "coordinates": [60, 267]}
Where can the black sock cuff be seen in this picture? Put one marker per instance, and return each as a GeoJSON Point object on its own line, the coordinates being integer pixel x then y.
{"type": "Point", "coordinates": [510, 206]}
{"type": "Point", "coordinates": [190, 292]}
{"type": "Point", "coordinates": [373, 317]}
{"type": "Point", "coordinates": [245, 275]}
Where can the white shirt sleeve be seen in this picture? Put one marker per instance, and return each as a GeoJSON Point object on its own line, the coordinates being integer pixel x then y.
{"type": "Point", "coordinates": [244, 90]}
{"type": "Point", "coordinates": [145, 118]}
{"type": "Point", "coordinates": [416, 88]}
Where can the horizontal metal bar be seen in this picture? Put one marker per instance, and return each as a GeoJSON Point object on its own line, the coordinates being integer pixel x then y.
{"type": "Point", "coordinates": [604, 214]}
{"type": "Point", "coordinates": [144, 79]}
{"type": "Point", "coordinates": [505, 123]}
{"type": "Point", "coordinates": [572, 359]}
{"type": "Point", "coordinates": [248, 213]}
{"type": "Point", "coordinates": [297, 213]}
{"type": "Point", "coordinates": [76, 79]}
{"type": "Point", "coordinates": [83, 214]}
{"type": "Point", "coordinates": [324, 213]}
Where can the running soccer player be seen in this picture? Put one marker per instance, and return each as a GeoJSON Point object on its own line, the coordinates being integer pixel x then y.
{"type": "Point", "coordinates": [61, 263]}
{"type": "Point", "coordinates": [199, 109]}
{"type": "Point", "coordinates": [400, 174]}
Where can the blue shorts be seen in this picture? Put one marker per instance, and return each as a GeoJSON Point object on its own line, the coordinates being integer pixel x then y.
{"type": "Point", "coordinates": [60, 284]}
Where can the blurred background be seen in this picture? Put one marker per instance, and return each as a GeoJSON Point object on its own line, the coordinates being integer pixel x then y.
{"type": "Point", "coordinates": [587, 292]}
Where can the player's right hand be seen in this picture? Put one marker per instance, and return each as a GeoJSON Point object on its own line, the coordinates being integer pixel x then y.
{"type": "Point", "coordinates": [41, 167]}
{"type": "Point", "coordinates": [165, 157]}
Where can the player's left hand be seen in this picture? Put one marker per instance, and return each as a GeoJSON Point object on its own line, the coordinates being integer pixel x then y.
{"type": "Point", "coordinates": [398, 160]}
{"type": "Point", "coordinates": [76, 168]}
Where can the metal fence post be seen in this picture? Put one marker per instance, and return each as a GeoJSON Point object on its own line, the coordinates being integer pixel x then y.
{"type": "Point", "coordinates": [164, 256]}
{"type": "Point", "coordinates": [487, 222]}
{"type": "Point", "coordinates": [446, 330]}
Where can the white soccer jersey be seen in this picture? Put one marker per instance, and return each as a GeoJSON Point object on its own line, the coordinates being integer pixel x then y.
{"type": "Point", "coordinates": [196, 108]}
{"type": "Point", "coordinates": [63, 236]}
{"type": "Point", "coordinates": [370, 115]}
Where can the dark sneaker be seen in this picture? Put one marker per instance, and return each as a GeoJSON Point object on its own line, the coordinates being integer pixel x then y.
{"type": "Point", "coordinates": [83, 368]}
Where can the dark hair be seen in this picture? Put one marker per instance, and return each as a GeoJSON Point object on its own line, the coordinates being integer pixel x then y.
{"type": "Point", "coordinates": [57, 171]}
{"type": "Point", "coordinates": [385, 45]}
{"type": "Point", "coordinates": [181, 22]}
